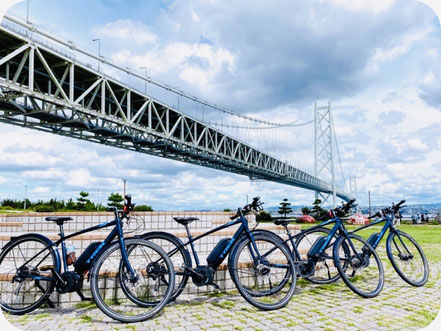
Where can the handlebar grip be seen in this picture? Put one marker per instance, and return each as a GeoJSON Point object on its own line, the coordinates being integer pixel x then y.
{"type": "Point", "coordinates": [400, 203]}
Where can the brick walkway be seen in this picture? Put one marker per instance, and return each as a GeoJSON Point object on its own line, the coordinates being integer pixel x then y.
{"type": "Point", "coordinates": [330, 307]}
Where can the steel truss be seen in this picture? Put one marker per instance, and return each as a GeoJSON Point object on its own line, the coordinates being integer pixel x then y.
{"type": "Point", "coordinates": [45, 90]}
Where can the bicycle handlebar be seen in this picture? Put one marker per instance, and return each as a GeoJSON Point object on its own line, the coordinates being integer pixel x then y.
{"type": "Point", "coordinates": [377, 214]}
{"type": "Point", "coordinates": [254, 206]}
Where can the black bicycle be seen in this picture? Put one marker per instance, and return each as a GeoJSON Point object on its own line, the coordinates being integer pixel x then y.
{"type": "Point", "coordinates": [334, 253]}
{"type": "Point", "coordinates": [404, 253]}
{"type": "Point", "coordinates": [131, 280]}
{"type": "Point", "coordinates": [265, 280]}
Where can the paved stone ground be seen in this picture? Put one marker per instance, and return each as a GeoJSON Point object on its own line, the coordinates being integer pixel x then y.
{"type": "Point", "coordinates": [330, 307]}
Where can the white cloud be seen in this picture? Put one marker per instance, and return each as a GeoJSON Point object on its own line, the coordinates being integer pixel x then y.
{"type": "Point", "coordinates": [41, 189]}
{"type": "Point", "coordinates": [363, 5]}
{"type": "Point", "coordinates": [417, 144]}
{"type": "Point", "coordinates": [127, 31]}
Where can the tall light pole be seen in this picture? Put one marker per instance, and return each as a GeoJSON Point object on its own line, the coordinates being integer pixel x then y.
{"type": "Point", "coordinates": [26, 194]}
{"type": "Point", "coordinates": [99, 52]}
{"type": "Point", "coordinates": [99, 202]}
{"type": "Point", "coordinates": [125, 191]}
{"type": "Point", "coordinates": [145, 81]}
{"type": "Point", "coordinates": [370, 208]}
{"type": "Point", "coordinates": [27, 11]}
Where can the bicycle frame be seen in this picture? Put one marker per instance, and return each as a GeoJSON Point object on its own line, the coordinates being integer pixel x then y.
{"type": "Point", "coordinates": [242, 229]}
{"type": "Point", "coordinates": [117, 231]}
{"type": "Point", "coordinates": [338, 227]}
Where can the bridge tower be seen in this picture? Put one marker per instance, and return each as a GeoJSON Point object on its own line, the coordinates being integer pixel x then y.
{"type": "Point", "coordinates": [324, 165]}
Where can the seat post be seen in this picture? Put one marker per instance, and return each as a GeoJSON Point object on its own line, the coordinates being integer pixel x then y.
{"type": "Point", "coordinates": [63, 246]}
{"type": "Point", "coordinates": [188, 231]}
{"type": "Point", "coordinates": [195, 255]}
{"type": "Point", "coordinates": [61, 229]}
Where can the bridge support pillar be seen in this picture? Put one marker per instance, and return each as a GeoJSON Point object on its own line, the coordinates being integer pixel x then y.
{"type": "Point", "coordinates": [323, 151]}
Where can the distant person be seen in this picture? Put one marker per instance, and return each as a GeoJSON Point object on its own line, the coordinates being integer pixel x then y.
{"type": "Point", "coordinates": [413, 219]}
{"type": "Point", "coordinates": [427, 218]}
{"type": "Point", "coordinates": [418, 219]}
{"type": "Point", "coordinates": [422, 218]}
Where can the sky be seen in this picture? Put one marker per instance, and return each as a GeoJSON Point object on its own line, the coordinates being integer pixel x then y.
{"type": "Point", "coordinates": [377, 62]}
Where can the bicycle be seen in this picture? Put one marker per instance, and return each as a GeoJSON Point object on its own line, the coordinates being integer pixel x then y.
{"type": "Point", "coordinates": [30, 270]}
{"type": "Point", "coordinates": [336, 250]}
{"type": "Point", "coordinates": [404, 253]}
{"type": "Point", "coordinates": [253, 274]}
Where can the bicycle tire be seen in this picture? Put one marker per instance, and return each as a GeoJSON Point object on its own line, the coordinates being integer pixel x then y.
{"type": "Point", "coordinates": [3, 269]}
{"type": "Point", "coordinates": [354, 264]}
{"type": "Point", "coordinates": [302, 237]}
{"type": "Point", "coordinates": [394, 260]}
{"type": "Point", "coordinates": [252, 296]}
{"type": "Point", "coordinates": [101, 301]}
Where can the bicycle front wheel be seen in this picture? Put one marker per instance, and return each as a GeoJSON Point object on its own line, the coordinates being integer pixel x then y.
{"type": "Point", "coordinates": [359, 265]}
{"type": "Point", "coordinates": [132, 300]}
{"type": "Point", "coordinates": [265, 277]}
{"type": "Point", "coordinates": [407, 258]}
{"type": "Point", "coordinates": [26, 281]}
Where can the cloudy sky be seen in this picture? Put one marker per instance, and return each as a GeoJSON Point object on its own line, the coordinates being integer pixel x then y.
{"type": "Point", "coordinates": [378, 62]}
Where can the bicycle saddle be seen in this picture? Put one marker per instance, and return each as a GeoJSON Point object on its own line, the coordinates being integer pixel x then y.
{"type": "Point", "coordinates": [185, 220]}
{"type": "Point", "coordinates": [59, 220]}
{"type": "Point", "coordinates": [281, 221]}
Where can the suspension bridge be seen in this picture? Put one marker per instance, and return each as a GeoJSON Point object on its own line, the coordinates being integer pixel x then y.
{"type": "Point", "coordinates": [47, 84]}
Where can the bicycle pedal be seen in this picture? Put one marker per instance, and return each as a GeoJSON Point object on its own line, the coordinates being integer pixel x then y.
{"type": "Point", "coordinates": [46, 267]}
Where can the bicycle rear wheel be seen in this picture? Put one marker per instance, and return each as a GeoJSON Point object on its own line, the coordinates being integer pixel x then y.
{"type": "Point", "coordinates": [20, 291]}
{"type": "Point", "coordinates": [407, 258]}
{"type": "Point", "coordinates": [136, 300]}
{"type": "Point", "coordinates": [359, 265]}
{"type": "Point", "coordinates": [267, 282]}
{"type": "Point", "coordinates": [178, 254]}
{"type": "Point", "coordinates": [325, 271]}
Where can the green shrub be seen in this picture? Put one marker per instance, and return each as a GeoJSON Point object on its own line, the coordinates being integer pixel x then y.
{"type": "Point", "coordinates": [44, 208]}
{"type": "Point", "coordinates": [143, 208]}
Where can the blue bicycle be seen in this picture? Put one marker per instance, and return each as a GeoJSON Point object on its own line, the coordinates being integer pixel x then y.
{"type": "Point", "coordinates": [334, 253]}
{"type": "Point", "coordinates": [260, 267]}
{"type": "Point", "coordinates": [126, 282]}
{"type": "Point", "coordinates": [404, 253]}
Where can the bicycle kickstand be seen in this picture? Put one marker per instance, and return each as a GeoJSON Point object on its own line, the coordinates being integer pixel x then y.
{"type": "Point", "coordinates": [82, 297]}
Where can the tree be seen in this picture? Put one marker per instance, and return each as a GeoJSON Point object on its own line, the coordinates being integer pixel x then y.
{"type": "Point", "coordinates": [317, 211]}
{"type": "Point", "coordinates": [285, 208]}
{"type": "Point", "coordinates": [227, 210]}
{"type": "Point", "coordinates": [306, 211]}
{"type": "Point", "coordinates": [83, 201]}
{"type": "Point", "coordinates": [71, 205]}
{"type": "Point", "coordinates": [115, 200]}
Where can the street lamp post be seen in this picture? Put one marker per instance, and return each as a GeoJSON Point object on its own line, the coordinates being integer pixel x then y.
{"type": "Point", "coordinates": [26, 193]}
{"type": "Point", "coordinates": [99, 52]}
{"type": "Point", "coordinates": [145, 81]}
{"type": "Point", "coordinates": [27, 11]}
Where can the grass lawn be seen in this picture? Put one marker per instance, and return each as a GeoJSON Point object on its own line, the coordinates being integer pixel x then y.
{"type": "Point", "coordinates": [428, 236]}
